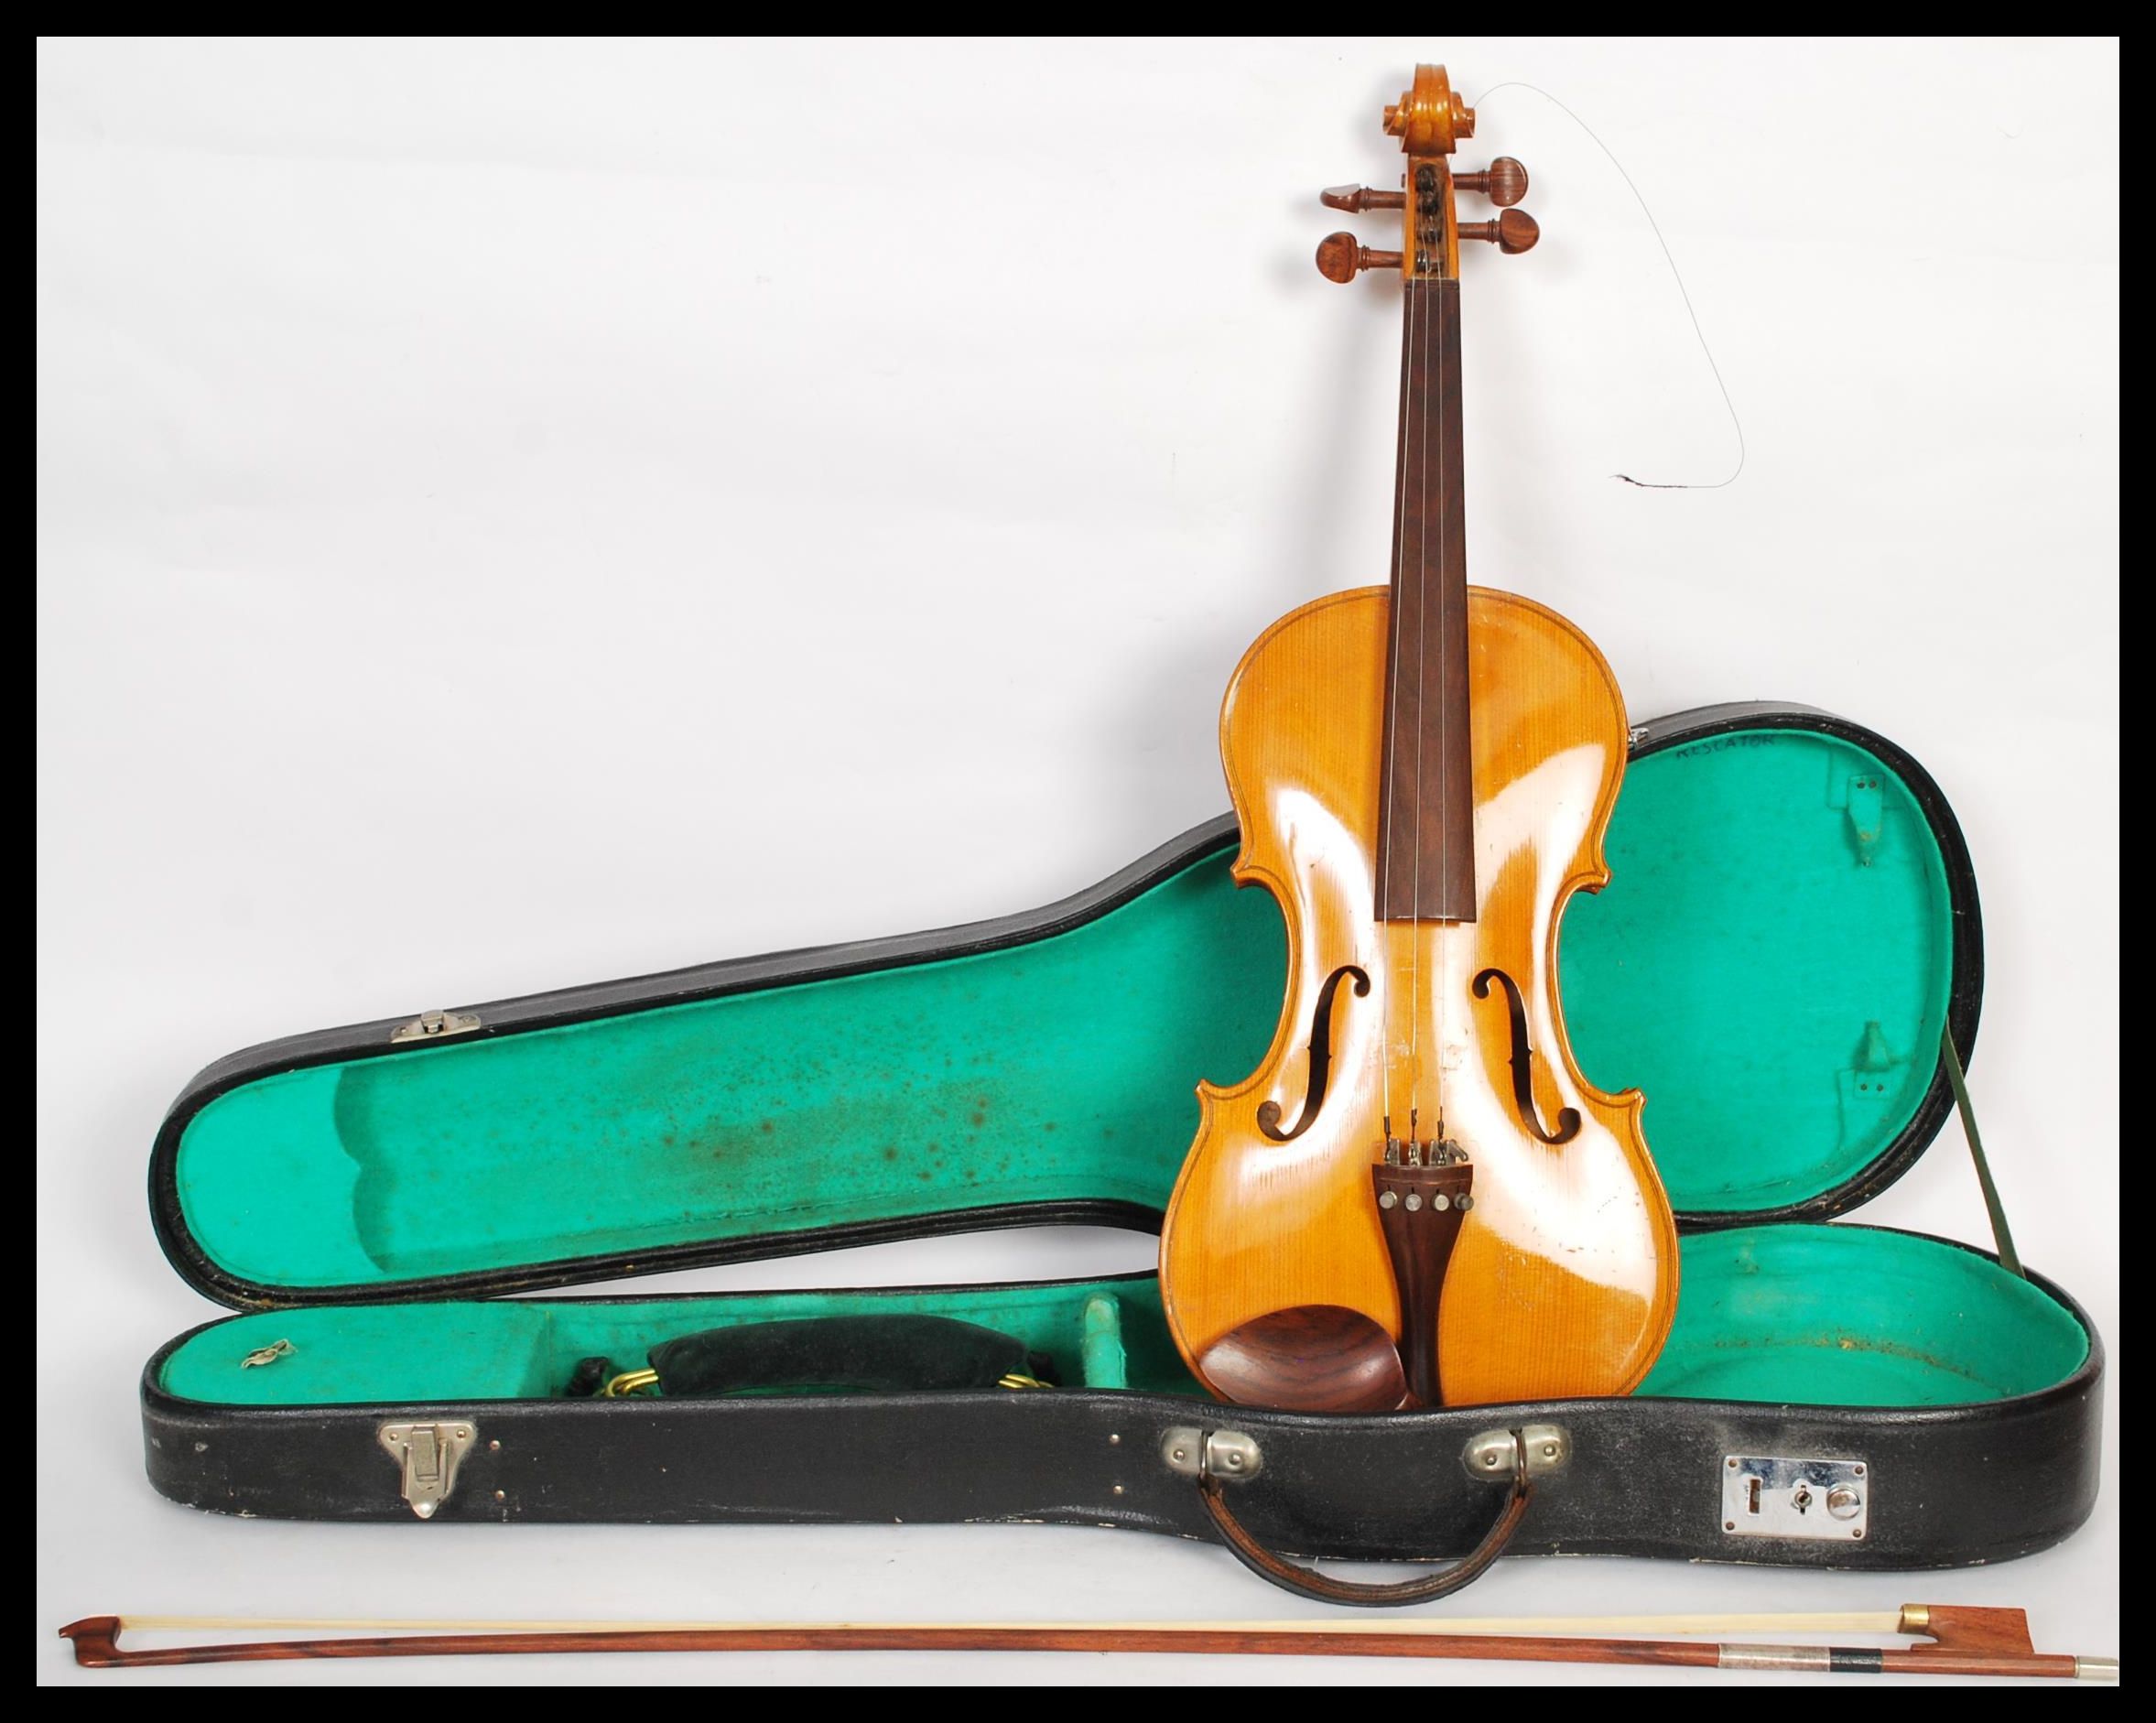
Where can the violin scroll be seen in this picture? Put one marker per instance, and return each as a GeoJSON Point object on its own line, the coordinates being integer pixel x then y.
{"type": "Point", "coordinates": [1430, 117]}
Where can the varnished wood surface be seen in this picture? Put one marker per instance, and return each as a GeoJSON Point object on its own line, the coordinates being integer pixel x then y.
{"type": "Point", "coordinates": [1513, 233]}
{"type": "Point", "coordinates": [1341, 256]}
{"type": "Point", "coordinates": [1503, 183]}
{"type": "Point", "coordinates": [1564, 1280]}
{"type": "Point", "coordinates": [96, 1643]}
{"type": "Point", "coordinates": [1430, 119]}
{"type": "Point", "coordinates": [1356, 199]}
{"type": "Point", "coordinates": [1338, 1359]}
{"type": "Point", "coordinates": [1421, 1210]}
{"type": "Point", "coordinates": [1970, 1628]}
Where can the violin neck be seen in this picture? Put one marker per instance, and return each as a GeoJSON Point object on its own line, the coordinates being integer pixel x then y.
{"type": "Point", "coordinates": [1426, 805]}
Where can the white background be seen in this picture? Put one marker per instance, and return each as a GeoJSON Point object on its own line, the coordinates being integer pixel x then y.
{"type": "Point", "coordinates": [512, 514]}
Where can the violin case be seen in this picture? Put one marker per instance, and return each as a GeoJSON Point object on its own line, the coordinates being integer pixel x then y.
{"type": "Point", "coordinates": [1791, 924]}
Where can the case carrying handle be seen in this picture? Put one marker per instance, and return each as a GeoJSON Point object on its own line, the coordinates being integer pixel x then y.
{"type": "Point", "coordinates": [1307, 1582]}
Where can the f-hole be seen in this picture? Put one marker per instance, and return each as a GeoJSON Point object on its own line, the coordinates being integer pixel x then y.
{"type": "Point", "coordinates": [1321, 1058]}
{"type": "Point", "coordinates": [1524, 1063]}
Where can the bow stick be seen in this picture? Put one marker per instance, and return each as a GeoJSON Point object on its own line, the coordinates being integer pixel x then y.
{"type": "Point", "coordinates": [1955, 1640]}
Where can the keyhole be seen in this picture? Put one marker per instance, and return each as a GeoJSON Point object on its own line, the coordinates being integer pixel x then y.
{"type": "Point", "coordinates": [1751, 1495]}
{"type": "Point", "coordinates": [1802, 1500]}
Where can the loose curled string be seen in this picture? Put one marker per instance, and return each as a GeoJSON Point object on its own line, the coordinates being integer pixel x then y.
{"type": "Point", "coordinates": [1675, 274]}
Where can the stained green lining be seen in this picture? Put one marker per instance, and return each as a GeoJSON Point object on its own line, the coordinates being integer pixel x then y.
{"type": "Point", "coordinates": [1770, 963]}
{"type": "Point", "coordinates": [1815, 1316]}
{"type": "Point", "coordinates": [1856, 1316]}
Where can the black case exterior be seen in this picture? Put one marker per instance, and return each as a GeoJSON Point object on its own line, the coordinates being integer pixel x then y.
{"type": "Point", "coordinates": [1951, 1485]}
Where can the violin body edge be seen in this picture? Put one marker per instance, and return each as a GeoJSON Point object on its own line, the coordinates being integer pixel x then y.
{"type": "Point", "coordinates": [1564, 1278]}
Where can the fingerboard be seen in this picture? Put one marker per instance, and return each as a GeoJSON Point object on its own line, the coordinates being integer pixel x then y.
{"type": "Point", "coordinates": [1426, 817]}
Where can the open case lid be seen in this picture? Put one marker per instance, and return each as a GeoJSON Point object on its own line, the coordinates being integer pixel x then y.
{"type": "Point", "coordinates": [1791, 922]}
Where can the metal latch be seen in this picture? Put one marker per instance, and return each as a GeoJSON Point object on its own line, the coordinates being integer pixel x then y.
{"type": "Point", "coordinates": [1773, 1496]}
{"type": "Point", "coordinates": [1228, 1454]}
{"type": "Point", "coordinates": [430, 1454]}
{"type": "Point", "coordinates": [1495, 1453]}
{"type": "Point", "coordinates": [435, 1026]}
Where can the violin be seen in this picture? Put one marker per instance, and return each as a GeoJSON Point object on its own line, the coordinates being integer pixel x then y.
{"type": "Point", "coordinates": [1417, 1199]}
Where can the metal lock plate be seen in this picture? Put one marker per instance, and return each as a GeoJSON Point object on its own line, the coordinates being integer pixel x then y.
{"type": "Point", "coordinates": [1771, 1496]}
{"type": "Point", "coordinates": [1226, 1454]}
{"type": "Point", "coordinates": [430, 1454]}
{"type": "Point", "coordinates": [1495, 1454]}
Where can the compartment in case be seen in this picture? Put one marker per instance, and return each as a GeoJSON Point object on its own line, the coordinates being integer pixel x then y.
{"type": "Point", "coordinates": [1840, 1316]}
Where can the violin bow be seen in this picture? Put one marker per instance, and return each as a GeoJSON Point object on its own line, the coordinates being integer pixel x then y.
{"type": "Point", "coordinates": [1955, 1640]}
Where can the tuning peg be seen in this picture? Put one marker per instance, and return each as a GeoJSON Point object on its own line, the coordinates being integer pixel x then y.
{"type": "Point", "coordinates": [1503, 183]}
{"type": "Point", "coordinates": [1515, 231]}
{"type": "Point", "coordinates": [1340, 256]}
{"type": "Point", "coordinates": [1356, 199]}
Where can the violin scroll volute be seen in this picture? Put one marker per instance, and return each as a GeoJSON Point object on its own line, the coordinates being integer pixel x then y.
{"type": "Point", "coordinates": [1430, 119]}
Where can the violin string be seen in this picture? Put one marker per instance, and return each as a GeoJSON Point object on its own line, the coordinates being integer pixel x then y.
{"type": "Point", "coordinates": [1676, 274]}
{"type": "Point", "coordinates": [1411, 552]}
{"type": "Point", "coordinates": [1422, 693]}
{"type": "Point", "coordinates": [1445, 691]}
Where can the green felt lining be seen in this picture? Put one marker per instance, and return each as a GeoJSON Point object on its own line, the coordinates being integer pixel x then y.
{"type": "Point", "coordinates": [1771, 964]}
{"type": "Point", "coordinates": [1802, 1314]}
{"type": "Point", "coordinates": [516, 1348]}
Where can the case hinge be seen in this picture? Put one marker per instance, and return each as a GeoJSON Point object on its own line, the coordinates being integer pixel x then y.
{"type": "Point", "coordinates": [435, 1026]}
{"type": "Point", "coordinates": [1228, 1454]}
{"type": "Point", "coordinates": [1494, 1452]}
{"type": "Point", "coordinates": [430, 1454]}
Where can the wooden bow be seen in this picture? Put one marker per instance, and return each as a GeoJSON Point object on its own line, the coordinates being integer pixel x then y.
{"type": "Point", "coordinates": [1955, 1640]}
